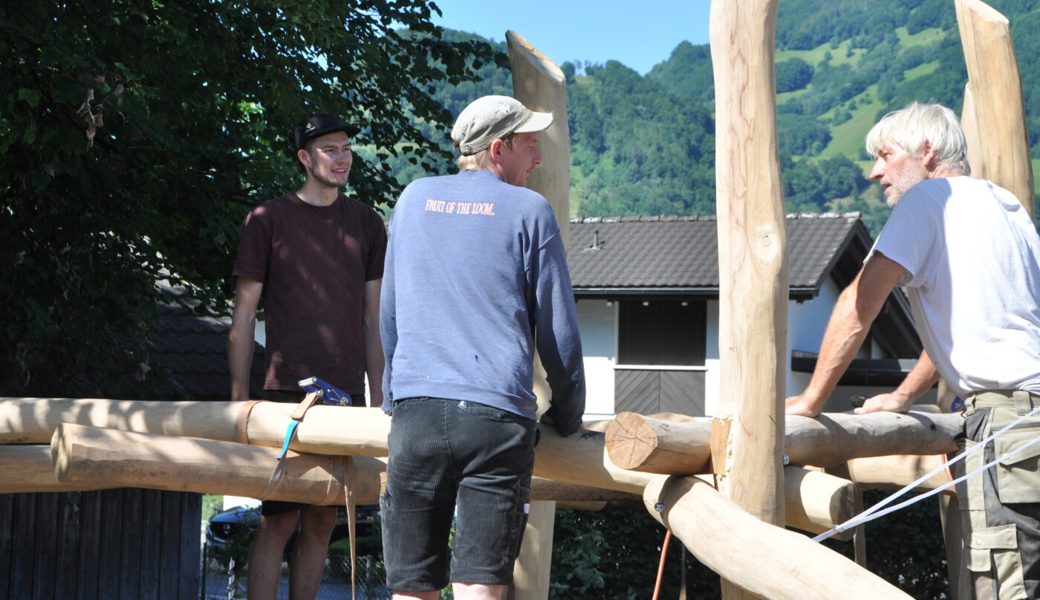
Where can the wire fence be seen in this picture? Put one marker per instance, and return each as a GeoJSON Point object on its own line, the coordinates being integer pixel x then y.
{"type": "Point", "coordinates": [225, 579]}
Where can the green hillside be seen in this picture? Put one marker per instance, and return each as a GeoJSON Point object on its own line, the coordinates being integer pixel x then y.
{"type": "Point", "coordinates": [645, 144]}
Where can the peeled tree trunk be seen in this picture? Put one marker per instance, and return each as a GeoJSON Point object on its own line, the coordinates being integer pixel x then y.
{"type": "Point", "coordinates": [680, 447]}
{"type": "Point", "coordinates": [94, 455]}
{"type": "Point", "coordinates": [764, 559]}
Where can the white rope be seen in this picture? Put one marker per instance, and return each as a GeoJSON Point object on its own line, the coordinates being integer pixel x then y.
{"type": "Point", "coordinates": [875, 512]}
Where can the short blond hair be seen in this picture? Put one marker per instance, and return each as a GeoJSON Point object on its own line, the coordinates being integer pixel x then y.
{"type": "Point", "coordinates": [472, 162]}
{"type": "Point", "coordinates": [477, 161]}
{"type": "Point", "coordinates": [911, 127]}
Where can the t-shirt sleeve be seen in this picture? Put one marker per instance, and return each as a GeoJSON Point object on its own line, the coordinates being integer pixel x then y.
{"type": "Point", "coordinates": [377, 249]}
{"type": "Point", "coordinates": [254, 248]}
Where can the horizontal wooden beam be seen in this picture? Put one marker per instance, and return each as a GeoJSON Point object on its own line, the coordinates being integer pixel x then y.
{"type": "Point", "coordinates": [680, 447]}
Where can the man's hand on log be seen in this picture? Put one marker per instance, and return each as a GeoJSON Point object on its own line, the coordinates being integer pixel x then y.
{"type": "Point", "coordinates": [890, 402]}
{"type": "Point", "coordinates": [803, 405]}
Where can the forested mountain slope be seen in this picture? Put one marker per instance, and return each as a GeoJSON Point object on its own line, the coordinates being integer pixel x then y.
{"type": "Point", "coordinates": [645, 144]}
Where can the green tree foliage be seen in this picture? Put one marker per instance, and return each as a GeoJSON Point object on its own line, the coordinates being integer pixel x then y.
{"type": "Point", "coordinates": [799, 135]}
{"type": "Point", "coordinates": [813, 184]}
{"type": "Point", "coordinates": [614, 554]}
{"type": "Point", "coordinates": [687, 73]}
{"type": "Point", "coordinates": [807, 25]}
{"type": "Point", "coordinates": [793, 75]}
{"type": "Point", "coordinates": [134, 136]}
{"type": "Point", "coordinates": [486, 77]}
{"type": "Point", "coordinates": [1027, 48]}
{"type": "Point", "coordinates": [639, 150]}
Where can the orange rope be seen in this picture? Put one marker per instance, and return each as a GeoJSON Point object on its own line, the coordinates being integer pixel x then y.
{"type": "Point", "coordinates": [660, 567]}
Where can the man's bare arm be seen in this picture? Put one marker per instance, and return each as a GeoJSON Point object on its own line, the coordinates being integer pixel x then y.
{"type": "Point", "coordinates": [374, 359]}
{"type": "Point", "coordinates": [847, 329]}
{"type": "Point", "coordinates": [919, 380]}
{"type": "Point", "coordinates": [240, 339]}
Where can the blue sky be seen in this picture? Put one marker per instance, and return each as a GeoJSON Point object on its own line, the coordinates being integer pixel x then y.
{"type": "Point", "coordinates": [638, 34]}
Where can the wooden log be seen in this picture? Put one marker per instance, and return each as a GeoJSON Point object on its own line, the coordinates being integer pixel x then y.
{"type": "Point", "coordinates": [582, 459]}
{"type": "Point", "coordinates": [322, 429]}
{"type": "Point", "coordinates": [894, 472]}
{"type": "Point", "coordinates": [33, 421]}
{"type": "Point", "coordinates": [996, 94]}
{"type": "Point", "coordinates": [765, 560]}
{"type": "Point", "coordinates": [835, 438]}
{"type": "Point", "coordinates": [753, 268]}
{"type": "Point", "coordinates": [645, 443]}
{"type": "Point", "coordinates": [814, 500]}
{"type": "Point", "coordinates": [146, 460]}
{"type": "Point", "coordinates": [532, 567]}
{"type": "Point", "coordinates": [28, 468]}
{"type": "Point", "coordinates": [560, 491]}
{"type": "Point", "coordinates": [972, 135]}
{"type": "Point", "coordinates": [540, 85]}
{"type": "Point", "coordinates": [125, 459]}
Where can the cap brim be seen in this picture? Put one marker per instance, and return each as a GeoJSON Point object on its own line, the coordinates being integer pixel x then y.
{"type": "Point", "coordinates": [351, 130]}
{"type": "Point", "coordinates": [539, 121]}
{"type": "Point", "coordinates": [301, 140]}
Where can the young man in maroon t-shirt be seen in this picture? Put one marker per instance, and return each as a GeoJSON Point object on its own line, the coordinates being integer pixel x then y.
{"type": "Point", "coordinates": [315, 258]}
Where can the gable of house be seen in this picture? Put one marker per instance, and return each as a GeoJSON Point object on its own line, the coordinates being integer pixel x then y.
{"type": "Point", "coordinates": [648, 288]}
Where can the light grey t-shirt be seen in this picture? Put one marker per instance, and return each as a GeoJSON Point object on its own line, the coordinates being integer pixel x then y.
{"type": "Point", "coordinates": [973, 257]}
{"type": "Point", "coordinates": [475, 273]}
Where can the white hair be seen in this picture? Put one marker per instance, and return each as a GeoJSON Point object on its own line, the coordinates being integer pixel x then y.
{"type": "Point", "coordinates": [913, 126]}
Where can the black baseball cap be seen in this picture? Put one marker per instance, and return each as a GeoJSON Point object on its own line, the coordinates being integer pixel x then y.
{"type": "Point", "coordinates": [317, 125]}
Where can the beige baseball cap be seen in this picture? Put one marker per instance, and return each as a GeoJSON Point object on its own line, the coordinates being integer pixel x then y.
{"type": "Point", "coordinates": [492, 117]}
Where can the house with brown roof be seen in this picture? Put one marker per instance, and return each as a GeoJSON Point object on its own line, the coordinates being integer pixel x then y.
{"type": "Point", "coordinates": [648, 307]}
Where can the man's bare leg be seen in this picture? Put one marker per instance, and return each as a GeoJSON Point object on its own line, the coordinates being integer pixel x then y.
{"type": "Point", "coordinates": [265, 555]}
{"type": "Point", "coordinates": [312, 545]}
{"type": "Point", "coordinates": [477, 591]}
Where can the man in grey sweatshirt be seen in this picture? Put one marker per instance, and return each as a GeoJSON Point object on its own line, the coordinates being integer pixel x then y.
{"type": "Point", "coordinates": [475, 279]}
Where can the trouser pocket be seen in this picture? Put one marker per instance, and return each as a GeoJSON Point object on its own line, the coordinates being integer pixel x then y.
{"type": "Point", "coordinates": [1018, 476]}
{"type": "Point", "coordinates": [995, 563]}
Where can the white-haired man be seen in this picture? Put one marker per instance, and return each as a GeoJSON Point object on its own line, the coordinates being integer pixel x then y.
{"type": "Point", "coordinates": [968, 256]}
{"type": "Point", "coordinates": [475, 279]}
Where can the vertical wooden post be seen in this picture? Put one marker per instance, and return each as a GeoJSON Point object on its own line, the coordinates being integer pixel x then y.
{"type": "Point", "coordinates": [747, 437]}
{"type": "Point", "coordinates": [993, 101]}
{"type": "Point", "coordinates": [531, 573]}
{"type": "Point", "coordinates": [541, 86]}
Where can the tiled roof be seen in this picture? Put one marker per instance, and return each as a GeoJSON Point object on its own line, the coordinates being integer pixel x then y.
{"type": "Point", "coordinates": [681, 253]}
{"type": "Point", "coordinates": [192, 350]}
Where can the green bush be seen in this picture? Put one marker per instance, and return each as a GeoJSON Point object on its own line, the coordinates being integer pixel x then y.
{"type": "Point", "coordinates": [614, 554]}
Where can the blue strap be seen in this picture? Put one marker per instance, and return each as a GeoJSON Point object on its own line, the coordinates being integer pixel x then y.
{"type": "Point", "coordinates": [288, 438]}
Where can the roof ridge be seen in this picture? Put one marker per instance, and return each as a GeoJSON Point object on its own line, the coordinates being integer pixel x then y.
{"type": "Point", "coordinates": [642, 219]}
{"type": "Point", "coordinates": [693, 218]}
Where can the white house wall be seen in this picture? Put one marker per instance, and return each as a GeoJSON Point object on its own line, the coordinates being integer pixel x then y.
{"type": "Point", "coordinates": [806, 322]}
{"type": "Point", "coordinates": [597, 322]}
{"type": "Point", "coordinates": [711, 359]}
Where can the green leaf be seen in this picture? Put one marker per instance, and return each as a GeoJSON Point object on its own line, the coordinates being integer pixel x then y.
{"type": "Point", "coordinates": [30, 97]}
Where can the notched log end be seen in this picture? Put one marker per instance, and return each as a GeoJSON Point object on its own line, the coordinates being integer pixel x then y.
{"type": "Point", "coordinates": [629, 440]}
